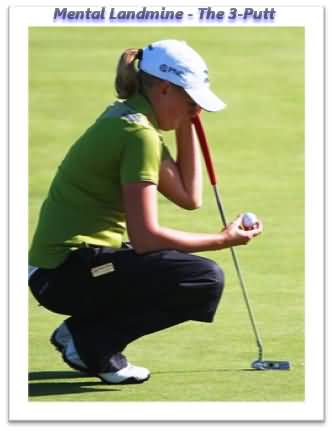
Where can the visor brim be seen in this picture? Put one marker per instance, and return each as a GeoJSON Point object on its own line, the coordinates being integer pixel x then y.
{"type": "Point", "coordinates": [206, 99]}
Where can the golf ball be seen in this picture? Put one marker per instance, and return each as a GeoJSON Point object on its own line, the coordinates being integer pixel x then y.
{"type": "Point", "coordinates": [249, 220]}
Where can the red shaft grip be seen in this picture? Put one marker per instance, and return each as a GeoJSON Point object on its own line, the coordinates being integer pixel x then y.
{"type": "Point", "coordinates": [205, 149]}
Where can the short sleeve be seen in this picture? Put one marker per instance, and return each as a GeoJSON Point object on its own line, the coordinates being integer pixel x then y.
{"type": "Point", "coordinates": [141, 157]}
{"type": "Point", "coordinates": [165, 155]}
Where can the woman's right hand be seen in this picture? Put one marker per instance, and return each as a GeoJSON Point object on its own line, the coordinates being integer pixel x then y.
{"type": "Point", "coordinates": [146, 235]}
{"type": "Point", "coordinates": [234, 234]}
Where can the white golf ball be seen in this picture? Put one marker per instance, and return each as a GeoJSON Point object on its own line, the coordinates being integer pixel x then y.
{"type": "Point", "coordinates": [249, 220]}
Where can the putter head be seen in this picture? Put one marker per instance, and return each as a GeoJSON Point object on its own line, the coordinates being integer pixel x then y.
{"type": "Point", "coordinates": [270, 365]}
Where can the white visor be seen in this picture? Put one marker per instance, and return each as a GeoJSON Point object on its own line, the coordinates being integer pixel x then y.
{"type": "Point", "coordinates": [206, 99]}
{"type": "Point", "coordinates": [177, 62]}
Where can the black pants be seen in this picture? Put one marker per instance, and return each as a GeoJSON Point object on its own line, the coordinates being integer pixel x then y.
{"type": "Point", "coordinates": [110, 306]}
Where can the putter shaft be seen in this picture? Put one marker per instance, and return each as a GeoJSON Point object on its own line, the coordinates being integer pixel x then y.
{"type": "Point", "coordinates": [213, 180]}
{"type": "Point", "coordinates": [240, 277]}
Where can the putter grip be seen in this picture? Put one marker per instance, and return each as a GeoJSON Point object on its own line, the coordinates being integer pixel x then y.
{"type": "Point", "coordinates": [205, 149]}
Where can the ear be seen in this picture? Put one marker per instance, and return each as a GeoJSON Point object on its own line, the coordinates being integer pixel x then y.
{"type": "Point", "coordinates": [164, 87]}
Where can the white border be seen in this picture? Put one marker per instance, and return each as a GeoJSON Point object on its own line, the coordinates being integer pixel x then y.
{"type": "Point", "coordinates": [312, 408]}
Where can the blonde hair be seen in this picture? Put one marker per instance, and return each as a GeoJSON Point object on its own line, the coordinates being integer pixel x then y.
{"type": "Point", "coordinates": [126, 80]}
{"type": "Point", "coordinates": [129, 79]}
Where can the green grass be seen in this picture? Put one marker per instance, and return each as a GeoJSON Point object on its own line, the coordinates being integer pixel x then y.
{"type": "Point", "coordinates": [258, 148]}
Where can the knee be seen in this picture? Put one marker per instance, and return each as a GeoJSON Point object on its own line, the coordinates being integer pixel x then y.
{"type": "Point", "coordinates": [213, 286]}
{"type": "Point", "coordinates": [214, 274]}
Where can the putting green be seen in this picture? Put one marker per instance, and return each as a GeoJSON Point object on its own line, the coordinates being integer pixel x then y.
{"type": "Point", "coordinates": [258, 149]}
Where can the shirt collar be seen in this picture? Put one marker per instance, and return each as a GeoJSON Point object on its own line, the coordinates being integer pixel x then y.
{"type": "Point", "coordinates": [142, 105]}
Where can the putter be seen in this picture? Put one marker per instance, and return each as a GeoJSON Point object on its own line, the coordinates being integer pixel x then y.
{"type": "Point", "coordinates": [259, 364]}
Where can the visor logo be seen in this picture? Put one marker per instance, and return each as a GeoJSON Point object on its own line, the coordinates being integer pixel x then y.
{"type": "Point", "coordinates": [165, 68]}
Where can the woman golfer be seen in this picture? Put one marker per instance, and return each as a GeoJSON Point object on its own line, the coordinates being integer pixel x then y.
{"type": "Point", "coordinates": [108, 183]}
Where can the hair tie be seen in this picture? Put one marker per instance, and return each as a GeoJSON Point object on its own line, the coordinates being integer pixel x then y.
{"type": "Point", "coordinates": [139, 54]}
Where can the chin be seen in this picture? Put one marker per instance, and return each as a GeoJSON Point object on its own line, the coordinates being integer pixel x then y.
{"type": "Point", "coordinates": [170, 124]}
{"type": "Point", "coordinates": [167, 128]}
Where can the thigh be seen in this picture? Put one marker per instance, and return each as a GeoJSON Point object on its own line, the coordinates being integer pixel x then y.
{"type": "Point", "coordinates": [166, 279]}
{"type": "Point", "coordinates": [74, 287]}
{"type": "Point", "coordinates": [99, 280]}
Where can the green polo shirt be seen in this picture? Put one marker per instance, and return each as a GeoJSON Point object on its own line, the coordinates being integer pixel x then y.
{"type": "Point", "coordinates": [84, 204]}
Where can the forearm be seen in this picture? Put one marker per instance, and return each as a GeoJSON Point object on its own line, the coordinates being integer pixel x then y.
{"type": "Point", "coordinates": [189, 162]}
{"type": "Point", "coordinates": [146, 235]}
{"type": "Point", "coordinates": [162, 238]}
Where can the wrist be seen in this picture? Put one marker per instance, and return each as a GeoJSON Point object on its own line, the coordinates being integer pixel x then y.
{"type": "Point", "coordinates": [222, 240]}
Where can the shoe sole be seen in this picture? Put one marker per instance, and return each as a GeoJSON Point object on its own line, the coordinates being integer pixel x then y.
{"type": "Point", "coordinates": [60, 348]}
{"type": "Point", "coordinates": [129, 381]}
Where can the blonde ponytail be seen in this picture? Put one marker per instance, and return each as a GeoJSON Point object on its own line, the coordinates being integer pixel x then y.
{"type": "Point", "coordinates": [126, 80]}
